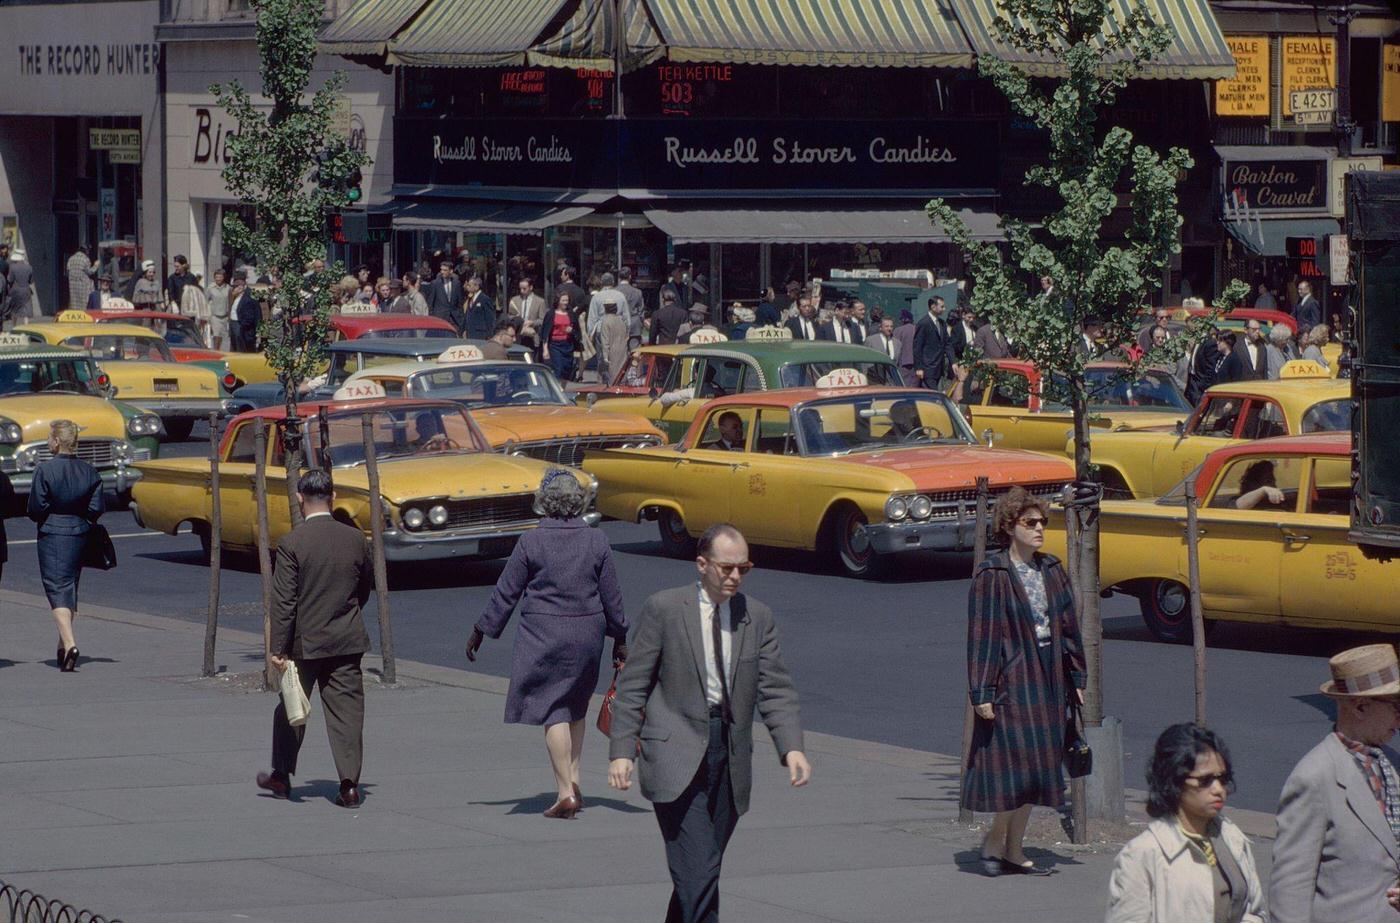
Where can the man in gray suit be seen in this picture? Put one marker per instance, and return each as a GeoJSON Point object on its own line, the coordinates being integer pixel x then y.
{"type": "Point", "coordinates": [321, 582]}
{"type": "Point", "coordinates": [702, 658]}
{"type": "Point", "coordinates": [1339, 815]}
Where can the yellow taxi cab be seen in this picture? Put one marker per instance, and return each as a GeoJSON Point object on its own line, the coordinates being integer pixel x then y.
{"type": "Point", "coordinates": [1146, 463]}
{"type": "Point", "coordinates": [646, 368]}
{"type": "Point", "coordinates": [863, 473]}
{"type": "Point", "coordinates": [182, 335]}
{"type": "Point", "coordinates": [519, 406]}
{"type": "Point", "coordinates": [1273, 519]}
{"type": "Point", "coordinates": [40, 384]}
{"type": "Point", "coordinates": [1009, 401]}
{"type": "Point", "coordinates": [446, 494]}
{"type": "Point", "coordinates": [143, 372]}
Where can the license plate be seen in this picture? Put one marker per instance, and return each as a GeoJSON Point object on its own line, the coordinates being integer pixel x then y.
{"type": "Point", "coordinates": [167, 385]}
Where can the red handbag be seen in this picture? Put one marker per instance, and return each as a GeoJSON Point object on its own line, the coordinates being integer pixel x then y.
{"type": "Point", "coordinates": [605, 713]}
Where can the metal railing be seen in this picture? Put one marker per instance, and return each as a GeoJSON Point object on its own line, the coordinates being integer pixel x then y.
{"type": "Point", "coordinates": [20, 905]}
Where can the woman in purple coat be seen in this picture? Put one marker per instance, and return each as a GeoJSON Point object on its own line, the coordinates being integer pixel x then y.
{"type": "Point", "coordinates": [565, 571]}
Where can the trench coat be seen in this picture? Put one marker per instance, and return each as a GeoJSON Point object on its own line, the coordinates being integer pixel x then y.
{"type": "Point", "coordinates": [1016, 757]}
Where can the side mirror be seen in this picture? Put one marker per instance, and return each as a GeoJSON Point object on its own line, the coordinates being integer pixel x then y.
{"type": "Point", "coordinates": [653, 392]}
{"type": "Point", "coordinates": [591, 399]}
{"type": "Point", "coordinates": [990, 436]}
{"type": "Point", "coordinates": [1181, 427]}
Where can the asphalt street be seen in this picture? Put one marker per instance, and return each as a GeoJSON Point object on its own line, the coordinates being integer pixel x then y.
{"type": "Point", "coordinates": [877, 661]}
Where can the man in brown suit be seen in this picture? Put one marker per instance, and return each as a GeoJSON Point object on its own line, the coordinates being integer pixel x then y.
{"type": "Point", "coordinates": [320, 584]}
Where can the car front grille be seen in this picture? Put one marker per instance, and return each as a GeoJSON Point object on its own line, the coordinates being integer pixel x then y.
{"type": "Point", "coordinates": [570, 451]}
{"type": "Point", "coordinates": [945, 502]}
{"type": "Point", "coordinates": [483, 514]}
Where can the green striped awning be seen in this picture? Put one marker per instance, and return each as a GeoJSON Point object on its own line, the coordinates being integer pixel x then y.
{"type": "Point", "coordinates": [1197, 50]}
{"type": "Point", "coordinates": [586, 39]}
{"type": "Point", "coordinates": [367, 26]}
{"type": "Point", "coordinates": [849, 33]}
{"type": "Point", "coordinates": [478, 33]}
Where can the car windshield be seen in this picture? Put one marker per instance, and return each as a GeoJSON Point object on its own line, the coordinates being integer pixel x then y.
{"type": "Point", "coordinates": [1112, 392]}
{"type": "Point", "coordinates": [871, 422]}
{"type": "Point", "coordinates": [805, 374]}
{"type": "Point", "coordinates": [62, 376]}
{"type": "Point", "coordinates": [399, 432]}
{"type": "Point", "coordinates": [122, 347]}
{"type": "Point", "coordinates": [490, 385]}
{"type": "Point", "coordinates": [345, 364]}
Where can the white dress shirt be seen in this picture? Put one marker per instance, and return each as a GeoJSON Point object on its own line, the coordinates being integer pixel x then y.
{"type": "Point", "coordinates": [808, 331]}
{"type": "Point", "coordinates": [713, 695]}
{"type": "Point", "coordinates": [843, 333]}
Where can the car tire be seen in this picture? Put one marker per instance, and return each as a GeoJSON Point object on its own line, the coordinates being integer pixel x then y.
{"type": "Point", "coordinates": [178, 430]}
{"type": "Point", "coordinates": [675, 540]}
{"type": "Point", "coordinates": [1166, 609]}
{"type": "Point", "coordinates": [852, 554]}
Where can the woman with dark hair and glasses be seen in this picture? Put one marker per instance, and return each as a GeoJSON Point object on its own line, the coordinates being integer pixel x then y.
{"type": "Point", "coordinates": [1190, 864]}
{"type": "Point", "coordinates": [1025, 660]}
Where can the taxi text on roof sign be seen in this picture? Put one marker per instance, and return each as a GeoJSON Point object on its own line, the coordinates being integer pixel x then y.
{"type": "Point", "coordinates": [14, 339]}
{"type": "Point", "coordinates": [463, 352]}
{"type": "Point", "coordinates": [74, 317]}
{"type": "Point", "coordinates": [842, 378]}
{"type": "Point", "coordinates": [707, 336]}
{"type": "Point", "coordinates": [1302, 368]}
{"type": "Point", "coordinates": [767, 333]}
{"type": "Point", "coordinates": [359, 391]}
{"type": "Point", "coordinates": [359, 307]}
{"type": "Point", "coordinates": [118, 304]}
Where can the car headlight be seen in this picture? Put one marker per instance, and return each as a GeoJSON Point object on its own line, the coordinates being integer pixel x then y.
{"type": "Point", "coordinates": [438, 516]}
{"type": "Point", "coordinates": [143, 424]}
{"type": "Point", "coordinates": [896, 508]}
{"type": "Point", "coordinates": [921, 507]}
{"type": "Point", "coordinates": [414, 518]}
{"type": "Point", "coordinates": [25, 459]}
{"type": "Point", "coordinates": [10, 432]}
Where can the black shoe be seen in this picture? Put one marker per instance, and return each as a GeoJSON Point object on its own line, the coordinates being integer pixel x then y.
{"type": "Point", "coordinates": [991, 866]}
{"type": "Point", "coordinates": [349, 796]}
{"type": "Point", "coordinates": [277, 785]}
{"type": "Point", "coordinates": [1030, 868]}
{"type": "Point", "coordinates": [58, 658]}
{"type": "Point", "coordinates": [70, 661]}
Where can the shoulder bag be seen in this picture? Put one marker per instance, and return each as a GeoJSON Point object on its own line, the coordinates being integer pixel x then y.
{"type": "Point", "coordinates": [1079, 759]}
{"type": "Point", "coordinates": [99, 551]}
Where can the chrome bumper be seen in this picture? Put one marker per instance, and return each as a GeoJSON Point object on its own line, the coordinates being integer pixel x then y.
{"type": "Point", "coordinates": [945, 534]}
{"type": "Point", "coordinates": [177, 407]}
{"type": "Point", "coordinates": [401, 545]}
{"type": "Point", "coordinates": [116, 480]}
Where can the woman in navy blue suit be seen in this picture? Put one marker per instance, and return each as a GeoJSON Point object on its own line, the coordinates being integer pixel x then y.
{"type": "Point", "coordinates": [572, 600]}
{"type": "Point", "coordinates": [65, 500]}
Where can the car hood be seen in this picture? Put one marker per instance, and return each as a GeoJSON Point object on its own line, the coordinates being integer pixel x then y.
{"type": "Point", "coordinates": [531, 424]}
{"type": "Point", "coordinates": [447, 475]}
{"type": "Point", "coordinates": [946, 467]}
{"type": "Point", "coordinates": [97, 417]}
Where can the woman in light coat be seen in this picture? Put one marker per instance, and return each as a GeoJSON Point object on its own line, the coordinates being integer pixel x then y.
{"type": "Point", "coordinates": [1190, 865]}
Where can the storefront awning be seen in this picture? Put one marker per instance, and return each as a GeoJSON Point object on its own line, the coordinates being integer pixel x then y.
{"type": "Point", "coordinates": [367, 26]}
{"type": "Point", "coordinates": [854, 33]}
{"type": "Point", "coordinates": [1197, 50]}
{"type": "Point", "coordinates": [481, 217]}
{"type": "Point", "coordinates": [811, 226]}
{"type": "Point", "coordinates": [1268, 236]}
{"type": "Point", "coordinates": [482, 33]}
{"type": "Point", "coordinates": [587, 38]}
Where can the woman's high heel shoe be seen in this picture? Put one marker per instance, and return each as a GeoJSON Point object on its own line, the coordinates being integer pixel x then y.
{"type": "Point", "coordinates": [70, 661]}
{"type": "Point", "coordinates": [58, 658]}
{"type": "Point", "coordinates": [564, 808]}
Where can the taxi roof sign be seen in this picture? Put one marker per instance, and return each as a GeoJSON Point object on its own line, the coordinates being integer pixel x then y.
{"type": "Point", "coordinates": [359, 307]}
{"type": "Point", "coordinates": [74, 317]}
{"type": "Point", "coordinates": [14, 339]}
{"type": "Point", "coordinates": [843, 378]}
{"type": "Point", "coordinates": [768, 333]}
{"type": "Point", "coordinates": [366, 390]}
{"type": "Point", "coordinates": [704, 335]}
{"type": "Point", "coordinates": [462, 352]}
{"type": "Point", "coordinates": [118, 304]}
{"type": "Point", "coordinates": [1302, 368]}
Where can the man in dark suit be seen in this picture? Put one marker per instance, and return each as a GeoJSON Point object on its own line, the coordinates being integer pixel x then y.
{"type": "Point", "coordinates": [480, 312]}
{"type": "Point", "coordinates": [568, 285]}
{"type": "Point", "coordinates": [804, 326]}
{"type": "Point", "coordinates": [1309, 312]}
{"type": "Point", "coordinates": [248, 307]}
{"type": "Point", "coordinates": [840, 329]}
{"type": "Point", "coordinates": [933, 348]}
{"type": "Point", "coordinates": [731, 434]}
{"type": "Point", "coordinates": [701, 660]}
{"type": "Point", "coordinates": [320, 584]}
{"type": "Point", "coordinates": [445, 296]}
{"type": "Point", "coordinates": [1249, 361]}
{"type": "Point", "coordinates": [666, 322]}
{"type": "Point", "coordinates": [964, 333]}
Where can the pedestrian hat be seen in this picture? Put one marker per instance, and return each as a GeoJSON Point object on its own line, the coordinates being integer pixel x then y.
{"type": "Point", "coordinates": [1371, 671]}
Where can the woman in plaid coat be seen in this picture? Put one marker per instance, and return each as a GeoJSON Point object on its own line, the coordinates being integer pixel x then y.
{"type": "Point", "coordinates": [1023, 653]}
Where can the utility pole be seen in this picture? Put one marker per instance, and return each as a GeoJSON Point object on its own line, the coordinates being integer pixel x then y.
{"type": "Point", "coordinates": [1343, 125]}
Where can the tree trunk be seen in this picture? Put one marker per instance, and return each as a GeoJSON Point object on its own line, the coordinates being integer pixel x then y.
{"type": "Point", "coordinates": [292, 442]}
{"type": "Point", "coordinates": [216, 526]}
{"type": "Point", "coordinates": [1087, 527]}
{"type": "Point", "coordinates": [270, 678]}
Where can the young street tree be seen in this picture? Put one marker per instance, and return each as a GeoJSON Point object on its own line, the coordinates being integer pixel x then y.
{"type": "Point", "coordinates": [287, 163]}
{"type": "Point", "coordinates": [1092, 277]}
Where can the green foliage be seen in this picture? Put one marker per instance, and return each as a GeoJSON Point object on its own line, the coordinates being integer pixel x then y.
{"type": "Point", "coordinates": [1111, 281]}
{"type": "Point", "coordinates": [271, 159]}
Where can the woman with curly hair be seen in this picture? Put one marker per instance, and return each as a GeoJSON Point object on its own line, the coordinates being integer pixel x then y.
{"type": "Point", "coordinates": [572, 600]}
{"type": "Point", "coordinates": [1024, 661]}
{"type": "Point", "coordinates": [1190, 864]}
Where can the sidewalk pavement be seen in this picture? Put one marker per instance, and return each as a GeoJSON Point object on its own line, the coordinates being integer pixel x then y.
{"type": "Point", "coordinates": [129, 791]}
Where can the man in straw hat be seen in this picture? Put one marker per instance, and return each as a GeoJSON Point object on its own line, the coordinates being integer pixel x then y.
{"type": "Point", "coordinates": [1339, 815]}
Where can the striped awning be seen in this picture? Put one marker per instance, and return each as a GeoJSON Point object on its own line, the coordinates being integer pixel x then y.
{"type": "Point", "coordinates": [587, 38]}
{"type": "Point", "coordinates": [368, 26]}
{"type": "Point", "coordinates": [1197, 50]}
{"type": "Point", "coordinates": [482, 33]}
{"type": "Point", "coordinates": [813, 225]}
{"type": "Point", "coordinates": [482, 217]}
{"type": "Point", "coordinates": [842, 33]}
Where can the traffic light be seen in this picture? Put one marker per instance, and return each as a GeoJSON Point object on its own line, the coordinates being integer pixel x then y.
{"type": "Point", "coordinates": [352, 185]}
{"type": "Point", "coordinates": [323, 158]}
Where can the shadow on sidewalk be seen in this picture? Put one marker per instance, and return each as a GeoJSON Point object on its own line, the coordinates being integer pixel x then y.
{"type": "Point", "coordinates": [969, 861]}
{"type": "Point", "coordinates": [538, 804]}
{"type": "Point", "coordinates": [323, 789]}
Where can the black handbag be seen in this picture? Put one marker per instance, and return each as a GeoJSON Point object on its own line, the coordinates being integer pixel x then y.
{"type": "Point", "coordinates": [99, 551]}
{"type": "Point", "coordinates": [1079, 759]}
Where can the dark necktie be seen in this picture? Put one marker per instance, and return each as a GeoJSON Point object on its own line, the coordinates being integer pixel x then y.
{"type": "Point", "coordinates": [719, 664]}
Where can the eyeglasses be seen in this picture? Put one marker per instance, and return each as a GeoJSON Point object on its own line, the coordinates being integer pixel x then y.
{"type": "Point", "coordinates": [726, 568]}
{"type": "Point", "coordinates": [1226, 779]}
{"type": "Point", "coordinates": [1034, 522]}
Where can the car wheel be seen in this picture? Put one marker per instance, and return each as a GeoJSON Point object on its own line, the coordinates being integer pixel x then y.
{"type": "Point", "coordinates": [853, 552]}
{"type": "Point", "coordinates": [675, 541]}
{"type": "Point", "coordinates": [1166, 608]}
{"type": "Point", "coordinates": [178, 430]}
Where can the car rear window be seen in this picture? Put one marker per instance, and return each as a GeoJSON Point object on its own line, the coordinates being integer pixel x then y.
{"type": "Point", "coordinates": [1328, 416]}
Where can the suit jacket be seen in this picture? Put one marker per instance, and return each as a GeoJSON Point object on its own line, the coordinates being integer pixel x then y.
{"type": "Point", "coordinates": [445, 299]}
{"type": "Point", "coordinates": [666, 323]}
{"type": "Point", "coordinates": [933, 350]}
{"type": "Point", "coordinates": [992, 344]}
{"type": "Point", "coordinates": [904, 336]}
{"type": "Point", "coordinates": [480, 318]}
{"type": "Point", "coordinates": [1335, 854]}
{"type": "Point", "coordinates": [1239, 368]}
{"type": "Point", "coordinates": [661, 695]}
{"type": "Point", "coordinates": [7, 500]}
{"type": "Point", "coordinates": [877, 342]}
{"type": "Point", "coordinates": [961, 339]}
{"type": "Point", "coordinates": [819, 331]}
{"type": "Point", "coordinates": [636, 307]}
{"type": "Point", "coordinates": [531, 310]}
{"type": "Point", "coordinates": [65, 497]}
{"type": "Point", "coordinates": [827, 331]}
{"type": "Point", "coordinates": [319, 586]}
{"type": "Point", "coordinates": [1309, 313]}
